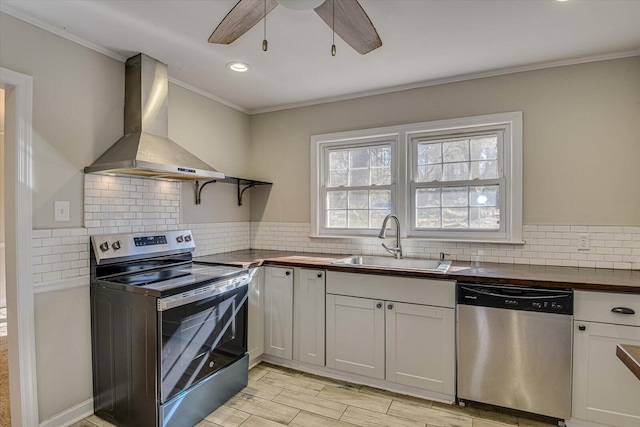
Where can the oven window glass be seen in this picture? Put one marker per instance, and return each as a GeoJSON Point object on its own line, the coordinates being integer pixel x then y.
{"type": "Point", "coordinates": [200, 338]}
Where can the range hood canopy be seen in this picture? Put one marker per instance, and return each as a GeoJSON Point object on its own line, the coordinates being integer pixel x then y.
{"type": "Point", "coordinates": [145, 149]}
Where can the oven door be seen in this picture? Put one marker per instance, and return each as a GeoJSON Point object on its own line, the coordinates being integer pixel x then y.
{"type": "Point", "coordinates": [201, 337]}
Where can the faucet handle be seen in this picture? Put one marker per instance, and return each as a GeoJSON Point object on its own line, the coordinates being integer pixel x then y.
{"type": "Point", "coordinates": [442, 255]}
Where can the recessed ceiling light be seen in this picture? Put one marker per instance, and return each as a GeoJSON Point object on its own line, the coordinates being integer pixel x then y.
{"type": "Point", "coordinates": [563, 0]}
{"type": "Point", "coordinates": [238, 67]}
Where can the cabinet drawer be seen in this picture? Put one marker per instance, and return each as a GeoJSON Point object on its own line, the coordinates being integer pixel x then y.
{"type": "Point", "coordinates": [597, 306]}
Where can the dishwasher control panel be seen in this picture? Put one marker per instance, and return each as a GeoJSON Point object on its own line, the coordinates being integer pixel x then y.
{"type": "Point", "coordinates": [512, 297]}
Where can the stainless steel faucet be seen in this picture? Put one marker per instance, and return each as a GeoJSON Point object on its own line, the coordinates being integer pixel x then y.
{"type": "Point", "coordinates": [397, 250]}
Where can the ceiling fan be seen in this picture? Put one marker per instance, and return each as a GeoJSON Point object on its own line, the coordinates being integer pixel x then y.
{"type": "Point", "coordinates": [346, 17]}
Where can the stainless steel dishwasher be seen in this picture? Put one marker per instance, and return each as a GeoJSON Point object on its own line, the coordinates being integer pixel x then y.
{"type": "Point", "coordinates": [514, 347]}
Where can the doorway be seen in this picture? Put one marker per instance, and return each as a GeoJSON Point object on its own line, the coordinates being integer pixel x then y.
{"type": "Point", "coordinates": [17, 212]}
{"type": "Point", "coordinates": [5, 408]}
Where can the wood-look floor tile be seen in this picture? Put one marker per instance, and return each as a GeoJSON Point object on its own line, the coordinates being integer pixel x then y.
{"type": "Point", "coordinates": [392, 395]}
{"type": "Point", "coordinates": [330, 381]}
{"type": "Point", "coordinates": [257, 372]}
{"type": "Point", "coordinates": [354, 398]}
{"type": "Point", "coordinates": [281, 369]}
{"type": "Point", "coordinates": [365, 418]}
{"type": "Point", "coordinates": [99, 421]}
{"type": "Point", "coordinates": [81, 423]}
{"type": "Point", "coordinates": [226, 416]}
{"type": "Point", "coordinates": [298, 384]}
{"type": "Point", "coordinates": [256, 421]}
{"type": "Point", "coordinates": [313, 404]}
{"type": "Point", "coordinates": [479, 422]}
{"type": "Point", "coordinates": [305, 419]}
{"type": "Point", "coordinates": [262, 408]}
{"type": "Point", "coordinates": [525, 422]}
{"type": "Point", "coordinates": [261, 389]}
{"type": "Point", "coordinates": [494, 416]}
{"type": "Point", "coordinates": [428, 415]}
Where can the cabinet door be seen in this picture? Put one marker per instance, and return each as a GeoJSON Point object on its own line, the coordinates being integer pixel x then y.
{"type": "Point", "coordinates": [278, 314]}
{"type": "Point", "coordinates": [308, 323]}
{"type": "Point", "coordinates": [604, 389]}
{"type": "Point", "coordinates": [355, 335]}
{"type": "Point", "coordinates": [255, 341]}
{"type": "Point", "coordinates": [421, 346]}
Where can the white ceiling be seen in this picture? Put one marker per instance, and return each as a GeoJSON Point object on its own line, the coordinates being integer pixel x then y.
{"type": "Point", "coordinates": [424, 42]}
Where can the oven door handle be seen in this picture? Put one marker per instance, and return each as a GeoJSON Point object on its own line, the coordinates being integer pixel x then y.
{"type": "Point", "coordinates": [195, 295]}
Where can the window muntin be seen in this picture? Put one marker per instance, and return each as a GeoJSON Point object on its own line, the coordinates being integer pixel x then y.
{"type": "Point", "coordinates": [358, 186]}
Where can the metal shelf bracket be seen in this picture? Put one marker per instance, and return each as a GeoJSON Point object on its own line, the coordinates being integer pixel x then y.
{"type": "Point", "coordinates": [241, 183]}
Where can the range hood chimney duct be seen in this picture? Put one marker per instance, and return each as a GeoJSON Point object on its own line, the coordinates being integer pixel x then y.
{"type": "Point", "coordinates": [145, 149]}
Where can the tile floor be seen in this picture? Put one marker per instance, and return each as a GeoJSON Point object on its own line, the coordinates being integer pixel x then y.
{"type": "Point", "coordinates": [277, 396]}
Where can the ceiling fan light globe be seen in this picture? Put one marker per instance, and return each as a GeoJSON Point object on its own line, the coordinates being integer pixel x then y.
{"type": "Point", "coordinates": [300, 4]}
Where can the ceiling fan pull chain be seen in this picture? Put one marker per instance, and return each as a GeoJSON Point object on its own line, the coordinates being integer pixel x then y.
{"type": "Point", "coordinates": [265, 43]}
{"type": "Point", "coordinates": [333, 27]}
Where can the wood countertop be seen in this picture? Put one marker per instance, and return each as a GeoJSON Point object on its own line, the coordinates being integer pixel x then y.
{"type": "Point", "coordinates": [608, 280]}
{"type": "Point", "coordinates": [630, 356]}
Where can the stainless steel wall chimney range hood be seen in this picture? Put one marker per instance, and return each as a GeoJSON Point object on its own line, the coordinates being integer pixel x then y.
{"type": "Point", "coordinates": [145, 149]}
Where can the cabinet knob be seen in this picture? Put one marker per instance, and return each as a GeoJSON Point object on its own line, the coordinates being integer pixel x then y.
{"type": "Point", "coordinates": [287, 273]}
{"type": "Point", "coordinates": [623, 310]}
{"type": "Point", "coordinates": [390, 306]}
{"type": "Point", "coordinates": [319, 275]}
{"type": "Point", "coordinates": [582, 328]}
{"type": "Point", "coordinates": [379, 305]}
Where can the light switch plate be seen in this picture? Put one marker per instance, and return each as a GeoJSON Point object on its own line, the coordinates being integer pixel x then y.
{"type": "Point", "coordinates": [61, 208]}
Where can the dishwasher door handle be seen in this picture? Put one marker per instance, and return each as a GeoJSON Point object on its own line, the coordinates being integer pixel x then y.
{"type": "Point", "coordinates": [623, 310]}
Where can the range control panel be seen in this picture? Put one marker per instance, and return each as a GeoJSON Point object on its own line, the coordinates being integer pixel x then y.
{"type": "Point", "coordinates": [115, 246]}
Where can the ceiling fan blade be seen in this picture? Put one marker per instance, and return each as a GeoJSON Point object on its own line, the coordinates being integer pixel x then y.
{"type": "Point", "coordinates": [244, 15]}
{"type": "Point", "coordinates": [351, 23]}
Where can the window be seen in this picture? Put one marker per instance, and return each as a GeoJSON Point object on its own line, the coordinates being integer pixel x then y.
{"type": "Point", "coordinates": [454, 179]}
{"type": "Point", "coordinates": [357, 189]}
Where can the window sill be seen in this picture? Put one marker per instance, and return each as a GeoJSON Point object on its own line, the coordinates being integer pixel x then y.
{"type": "Point", "coordinates": [431, 239]}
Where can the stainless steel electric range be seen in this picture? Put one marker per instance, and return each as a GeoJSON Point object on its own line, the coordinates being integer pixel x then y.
{"type": "Point", "coordinates": [169, 336]}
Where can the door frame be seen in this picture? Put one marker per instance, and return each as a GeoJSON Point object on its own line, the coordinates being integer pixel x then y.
{"type": "Point", "coordinates": [18, 225]}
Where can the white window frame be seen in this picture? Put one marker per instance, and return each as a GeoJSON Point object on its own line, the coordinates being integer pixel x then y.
{"type": "Point", "coordinates": [511, 171]}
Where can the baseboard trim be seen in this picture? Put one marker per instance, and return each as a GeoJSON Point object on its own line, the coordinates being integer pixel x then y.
{"type": "Point", "coordinates": [59, 285]}
{"type": "Point", "coordinates": [71, 415]}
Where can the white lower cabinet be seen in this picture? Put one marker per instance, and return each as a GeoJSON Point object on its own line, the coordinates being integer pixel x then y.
{"type": "Point", "coordinates": [604, 389]}
{"type": "Point", "coordinates": [255, 331]}
{"type": "Point", "coordinates": [278, 312]}
{"type": "Point", "coordinates": [308, 316]}
{"type": "Point", "coordinates": [397, 341]}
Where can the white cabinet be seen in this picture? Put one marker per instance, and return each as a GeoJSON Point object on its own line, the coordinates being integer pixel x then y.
{"type": "Point", "coordinates": [604, 389]}
{"type": "Point", "coordinates": [255, 340]}
{"type": "Point", "coordinates": [308, 316]}
{"type": "Point", "coordinates": [278, 312]}
{"type": "Point", "coordinates": [389, 336]}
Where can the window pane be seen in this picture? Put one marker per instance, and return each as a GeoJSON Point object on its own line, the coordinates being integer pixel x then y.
{"type": "Point", "coordinates": [376, 217]}
{"type": "Point", "coordinates": [484, 218]}
{"type": "Point", "coordinates": [338, 160]}
{"type": "Point", "coordinates": [484, 148]}
{"type": "Point", "coordinates": [455, 196]}
{"type": "Point", "coordinates": [484, 196]}
{"type": "Point", "coordinates": [358, 199]}
{"type": "Point", "coordinates": [427, 197]}
{"type": "Point", "coordinates": [380, 199]}
{"type": "Point", "coordinates": [381, 176]}
{"type": "Point", "coordinates": [337, 200]}
{"type": "Point", "coordinates": [455, 218]}
{"type": "Point", "coordinates": [359, 158]}
{"type": "Point", "coordinates": [380, 157]}
{"type": "Point", "coordinates": [428, 218]}
{"type": "Point", "coordinates": [455, 151]}
{"type": "Point", "coordinates": [429, 173]}
{"type": "Point", "coordinates": [484, 169]}
{"type": "Point", "coordinates": [358, 177]}
{"type": "Point", "coordinates": [336, 219]}
{"type": "Point", "coordinates": [429, 153]}
{"type": "Point", "coordinates": [338, 178]}
{"type": "Point", "coordinates": [455, 172]}
{"type": "Point", "coordinates": [359, 219]}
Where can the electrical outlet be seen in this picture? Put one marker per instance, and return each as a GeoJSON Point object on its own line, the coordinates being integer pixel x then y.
{"type": "Point", "coordinates": [583, 242]}
{"type": "Point", "coordinates": [61, 208]}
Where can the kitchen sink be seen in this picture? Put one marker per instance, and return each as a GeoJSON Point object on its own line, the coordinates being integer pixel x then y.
{"type": "Point", "coordinates": [404, 263]}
